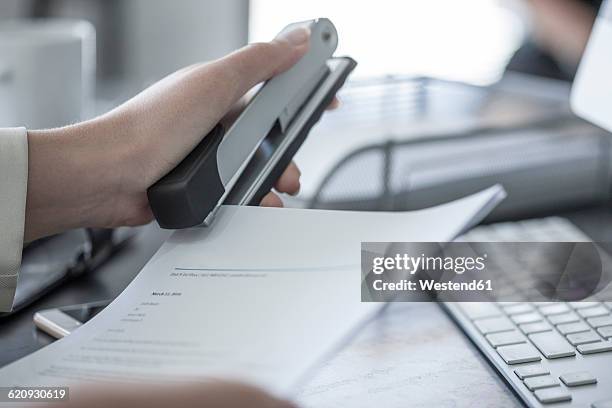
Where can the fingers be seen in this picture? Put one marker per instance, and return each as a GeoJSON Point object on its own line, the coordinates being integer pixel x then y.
{"type": "Point", "coordinates": [335, 104]}
{"type": "Point", "coordinates": [289, 182]}
{"type": "Point", "coordinates": [271, 200]}
{"type": "Point", "coordinates": [258, 62]}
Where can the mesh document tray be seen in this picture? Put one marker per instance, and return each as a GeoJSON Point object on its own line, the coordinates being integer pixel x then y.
{"type": "Point", "coordinates": [546, 162]}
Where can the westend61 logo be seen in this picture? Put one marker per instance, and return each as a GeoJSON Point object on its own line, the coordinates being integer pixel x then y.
{"type": "Point", "coordinates": [485, 271]}
{"type": "Point", "coordinates": [413, 264]}
{"type": "Point", "coordinates": [400, 271]}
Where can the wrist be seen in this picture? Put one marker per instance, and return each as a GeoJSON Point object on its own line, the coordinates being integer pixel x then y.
{"type": "Point", "coordinates": [70, 180]}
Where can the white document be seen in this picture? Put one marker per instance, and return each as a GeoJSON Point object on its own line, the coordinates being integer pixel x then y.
{"type": "Point", "coordinates": [262, 296]}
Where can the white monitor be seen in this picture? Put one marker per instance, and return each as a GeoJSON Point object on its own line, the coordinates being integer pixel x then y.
{"type": "Point", "coordinates": [592, 91]}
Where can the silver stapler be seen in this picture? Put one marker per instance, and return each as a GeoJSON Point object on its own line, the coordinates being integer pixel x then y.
{"type": "Point", "coordinates": [240, 165]}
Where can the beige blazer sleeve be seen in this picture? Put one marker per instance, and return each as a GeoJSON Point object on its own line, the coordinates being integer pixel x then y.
{"type": "Point", "coordinates": [13, 188]}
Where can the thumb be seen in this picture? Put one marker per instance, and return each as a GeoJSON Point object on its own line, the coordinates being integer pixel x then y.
{"type": "Point", "coordinates": [258, 62]}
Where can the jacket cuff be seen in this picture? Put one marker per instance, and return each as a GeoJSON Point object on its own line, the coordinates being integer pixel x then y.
{"type": "Point", "coordinates": [13, 191]}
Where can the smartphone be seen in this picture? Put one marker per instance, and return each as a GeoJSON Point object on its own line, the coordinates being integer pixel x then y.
{"type": "Point", "coordinates": [62, 321]}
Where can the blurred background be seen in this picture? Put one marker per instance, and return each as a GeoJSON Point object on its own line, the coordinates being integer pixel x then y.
{"type": "Point", "coordinates": [448, 97]}
{"type": "Point", "coordinates": [470, 41]}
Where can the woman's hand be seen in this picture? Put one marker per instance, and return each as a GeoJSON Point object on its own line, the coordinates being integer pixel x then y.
{"type": "Point", "coordinates": [96, 173]}
{"type": "Point", "coordinates": [215, 394]}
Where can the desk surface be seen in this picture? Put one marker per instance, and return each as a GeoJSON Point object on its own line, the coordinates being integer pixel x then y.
{"type": "Point", "coordinates": [412, 352]}
{"type": "Point", "coordinates": [18, 335]}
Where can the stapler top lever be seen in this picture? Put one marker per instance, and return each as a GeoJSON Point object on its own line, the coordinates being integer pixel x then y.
{"type": "Point", "coordinates": [240, 165]}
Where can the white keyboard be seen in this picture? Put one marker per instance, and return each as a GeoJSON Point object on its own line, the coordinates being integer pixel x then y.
{"type": "Point", "coordinates": [550, 353]}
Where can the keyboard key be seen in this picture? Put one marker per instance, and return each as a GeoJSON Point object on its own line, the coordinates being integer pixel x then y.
{"type": "Point", "coordinates": [479, 310]}
{"type": "Point", "coordinates": [519, 353]}
{"type": "Point", "coordinates": [570, 328]}
{"type": "Point", "coordinates": [494, 325]}
{"type": "Point", "coordinates": [564, 318]}
{"type": "Point", "coordinates": [550, 395]}
{"type": "Point", "coordinates": [593, 312]}
{"type": "Point", "coordinates": [531, 371]}
{"type": "Point", "coordinates": [600, 321]}
{"type": "Point", "coordinates": [526, 318]}
{"type": "Point", "coordinates": [505, 338]}
{"type": "Point", "coordinates": [538, 327]}
{"type": "Point", "coordinates": [592, 348]}
{"type": "Point", "coordinates": [517, 309]}
{"type": "Point", "coordinates": [576, 379]}
{"type": "Point", "coordinates": [552, 345]}
{"type": "Point", "coordinates": [554, 309]}
{"type": "Point", "coordinates": [583, 304]}
{"type": "Point", "coordinates": [602, 404]}
{"type": "Point", "coordinates": [536, 383]}
{"type": "Point", "coordinates": [583, 338]}
{"type": "Point", "coordinates": [605, 332]}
